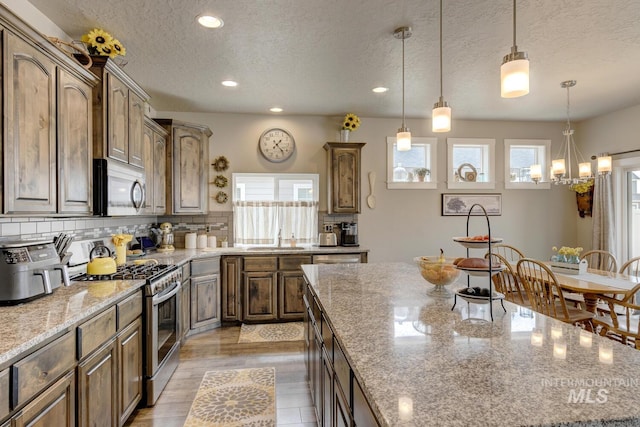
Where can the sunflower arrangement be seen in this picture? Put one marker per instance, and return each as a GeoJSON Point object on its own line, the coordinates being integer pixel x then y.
{"type": "Point", "coordinates": [351, 122]}
{"type": "Point", "coordinates": [583, 187]}
{"type": "Point", "coordinates": [99, 42]}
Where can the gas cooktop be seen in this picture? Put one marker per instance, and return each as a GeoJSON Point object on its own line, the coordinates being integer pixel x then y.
{"type": "Point", "coordinates": [130, 272]}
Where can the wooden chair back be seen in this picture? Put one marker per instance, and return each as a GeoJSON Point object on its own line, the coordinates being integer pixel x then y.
{"type": "Point", "coordinates": [601, 260]}
{"type": "Point", "coordinates": [622, 320]}
{"type": "Point", "coordinates": [508, 252]}
{"type": "Point", "coordinates": [508, 283]}
{"type": "Point", "coordinates": [631, 267]}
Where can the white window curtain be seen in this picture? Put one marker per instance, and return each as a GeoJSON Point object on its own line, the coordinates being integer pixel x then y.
{"type": "Point", "coordinates": [603, 215]}
{"type": "Point", "coordinates": [258, 223]}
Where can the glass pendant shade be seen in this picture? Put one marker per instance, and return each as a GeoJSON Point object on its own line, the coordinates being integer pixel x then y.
{"type": "Point", "coordinates": [558, 167]}
{"type": "Point", "coordinates": [514, 75]}
{"type": "Point", "coordinates": [403, 139]}
{"type": "Point", "coordinates": [584, 170]}
{"type": "Point", "coordinates": [536, 173]}
{"type": "Point", "coordinates": [441, 119]}
{"type": "Point", "coordinates": [604, 164]}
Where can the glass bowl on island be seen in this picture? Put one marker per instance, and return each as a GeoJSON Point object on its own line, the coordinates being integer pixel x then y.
{"type": "Point", "coordinates": [440, 272]}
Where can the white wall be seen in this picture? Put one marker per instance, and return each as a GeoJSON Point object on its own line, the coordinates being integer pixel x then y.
{"type": "Point", "coordinates": [405, 223]}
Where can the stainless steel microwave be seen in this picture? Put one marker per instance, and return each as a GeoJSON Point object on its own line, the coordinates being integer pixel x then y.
{"type": "Point", "coordinates": [118, 188]}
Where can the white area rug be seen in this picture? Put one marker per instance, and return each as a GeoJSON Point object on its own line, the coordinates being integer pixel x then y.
{"type": "Point", "coordinates": [272, 332]}
{"type": "Point", "coordinates": [235, 398]}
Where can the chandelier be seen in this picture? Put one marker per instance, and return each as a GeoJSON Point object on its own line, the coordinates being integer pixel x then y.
{"type": "Point", "coordinates": [561, 171]}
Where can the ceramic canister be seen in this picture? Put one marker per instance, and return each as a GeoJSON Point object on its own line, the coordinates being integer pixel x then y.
{"type": "Point", "coordinates": [202, 241]}
{"type": "Point", "coordinates": [190, 241]}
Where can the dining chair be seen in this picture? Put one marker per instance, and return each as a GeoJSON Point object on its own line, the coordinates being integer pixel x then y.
{"type": "Point", "coordinates": [631, 267]}
{"type": "Point", "coordinates": [601, 260]}
{"type": "Point", "coordinates": [508, 282]}
{"type": "Point", "coordinates": [508, 252]}
{"type": "Point", "coordinates": [545, 294]}
{"type": "Point", "coordinates": [621, 321]}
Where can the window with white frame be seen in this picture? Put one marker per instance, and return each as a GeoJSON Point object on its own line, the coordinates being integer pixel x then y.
{"type": "Point", "coordinates": [627, 207]}
{"type": "Point", "coordinates": [266, 206]}
{"type": "Point", "coordinates": [470, 163]}
{"type": "Point", "coordinates": [519, 155]}
{"type": "Point", "coordinates": [413, 169]}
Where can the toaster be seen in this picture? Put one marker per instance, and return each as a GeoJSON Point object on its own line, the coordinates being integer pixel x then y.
{"type": "Point", "coordinates": [327, 239]}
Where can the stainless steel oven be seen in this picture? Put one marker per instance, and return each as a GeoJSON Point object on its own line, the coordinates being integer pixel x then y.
{"type": "Point", "coordinates": [162, 314]}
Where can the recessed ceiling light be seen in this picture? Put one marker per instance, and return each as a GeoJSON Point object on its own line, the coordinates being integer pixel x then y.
{"type": "Point", "coordinates": [275, 110]}
{"type": "Point", "coordinates": [210, 21]}
{"type": "Point", "coordinates": [229, 83]}
{"type": "Point", "coordinates": [380, 89]}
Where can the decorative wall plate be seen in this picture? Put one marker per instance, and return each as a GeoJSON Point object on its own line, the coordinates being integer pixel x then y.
{"type": "Point", "coordinates": [220, 181]}
{"type": "Point", "coordinates": [222, 197]}
{"type": "Point", "coordinates": [220, 164]}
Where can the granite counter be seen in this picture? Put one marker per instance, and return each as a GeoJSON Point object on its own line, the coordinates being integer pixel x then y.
{"type": "Point", "coordinates": [420, 363]}
{"type": "Point", "coordinates": [30, 325]}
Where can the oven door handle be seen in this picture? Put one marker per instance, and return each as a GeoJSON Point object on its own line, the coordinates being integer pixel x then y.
{"type": "Point", "coordinates": [166, 294]}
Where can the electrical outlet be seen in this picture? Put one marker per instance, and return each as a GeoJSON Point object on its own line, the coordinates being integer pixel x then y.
{"type": "Point", "coordinates": [208, 229]}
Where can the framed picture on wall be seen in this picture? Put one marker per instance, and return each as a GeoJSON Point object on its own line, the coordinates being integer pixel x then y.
{"type": "Point", "coordinates": [457, 204]}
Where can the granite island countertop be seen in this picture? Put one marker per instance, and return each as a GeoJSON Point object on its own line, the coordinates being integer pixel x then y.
{"type": "Point", "coordinates": [422, 364]}
{"type": "Point", "coordinates": [28, 325]}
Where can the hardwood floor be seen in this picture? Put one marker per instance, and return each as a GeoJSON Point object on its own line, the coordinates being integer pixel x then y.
{"type": "Point", "coordinates": [219, 350]}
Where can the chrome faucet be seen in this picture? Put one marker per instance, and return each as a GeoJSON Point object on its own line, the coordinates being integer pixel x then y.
{"type": "Point", "coordinates": [280, 238]}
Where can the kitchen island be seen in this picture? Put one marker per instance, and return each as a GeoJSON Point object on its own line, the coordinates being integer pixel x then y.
{"type": "Point", "coordinates": [416, 362]}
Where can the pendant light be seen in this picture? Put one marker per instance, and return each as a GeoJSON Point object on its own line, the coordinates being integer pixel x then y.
{"type": "Point", "coordinates": [441, 114]}
{"type": "Point", "coordinates": [403, 137]}
{"type": "Point", "coordinates": [514, 72]}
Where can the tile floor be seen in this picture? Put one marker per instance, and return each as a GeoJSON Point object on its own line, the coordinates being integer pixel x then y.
{"type": "Point", "coordinates": [217, 350]}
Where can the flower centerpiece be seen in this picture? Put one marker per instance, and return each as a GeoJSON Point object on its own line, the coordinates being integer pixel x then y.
{"type": "Point", "coordinates": [350, 123]}
{"type": "Point", "coordinates": [99, 42]}
{"type": "Point", "coordinates": [583, 187]}
{"type": "Point", "coordinates": [567, 254]}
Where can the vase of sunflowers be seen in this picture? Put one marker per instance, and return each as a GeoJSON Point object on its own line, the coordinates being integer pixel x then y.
{"type": "Point", "coordinates": [350, 123]}
{"type": "Point", "coordinates": [101, 43]}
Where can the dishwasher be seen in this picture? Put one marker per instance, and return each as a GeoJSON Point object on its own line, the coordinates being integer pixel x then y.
{"type": "Point", "coordinates": [336, 258]}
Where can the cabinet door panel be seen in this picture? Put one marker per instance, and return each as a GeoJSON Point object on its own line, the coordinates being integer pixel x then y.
{"type": "Point", "coordinates": [118, 119]}
{"type": "Point", "coordinates": [98, 388]}
{"type": "Point", "coordinates": [74, 145]}
{"type": "Point", "coordinates": [205, 301]}
{"type": "Point", "coordinates": [130, 363]}
{"type": "Point", "coordinates": [54, 407]}
{"type": "Point", "coordinates": [343, 171]}
{"type": "Point", "coordinates": [159, 174]}
{"type": "Point", "coordinates": [30, 159]}
{"type": "Point", "coordinates": [185, 310]}
{"type": "Point", "coordinates": [136, 130]}
{"type": "Point", "coordinates": [290, 291]}
{"type": "Point", "coordinates": [231, 267]}
{"type": "Point", "coordinates": [190, 176]}
{"type": "Point", "coordinates": [259, 296]}
{"type": "Point", "coordinates": [149, 172]}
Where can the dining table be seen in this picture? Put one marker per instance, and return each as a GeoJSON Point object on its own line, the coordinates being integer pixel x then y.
{"type": "Point", "coordinates": [595, 283]}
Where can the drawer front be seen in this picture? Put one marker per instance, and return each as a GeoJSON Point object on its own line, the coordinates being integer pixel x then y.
{"type": "Point", "coordinates": [37, 371]}
{"type": "Point", "coordinates": [261, 263]}
{"type": "Point", "coordinates": [4, 393]}
{"type": "Point", "coordinates": [293, 262]}
{"type": "Point", "coordinates": [205, 266]}
{"type": "Point", "coordinates": [186, 271]}
{"type": "Point", "coordinates": [95, 332]}
{"type": "Point", "coordinates": [129, 309]}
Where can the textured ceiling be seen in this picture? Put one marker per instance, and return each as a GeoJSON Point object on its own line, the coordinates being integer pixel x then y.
{"type": "Point", "coordinates": [323, 57]}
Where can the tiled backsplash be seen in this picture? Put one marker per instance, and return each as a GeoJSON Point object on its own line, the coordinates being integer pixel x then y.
{"type": "Point", "coordinates": [219, 224]}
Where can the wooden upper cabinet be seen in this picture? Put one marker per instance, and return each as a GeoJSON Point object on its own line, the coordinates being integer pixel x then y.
{"type": "Point", "coordinates": [155, 165]}
{"type": "Point", "coordinates": [187, 167]}
{"type": "Point", "coordinates": [147, 144]}
{"type": "Point", "coordinates": [30, 143]}
{"type": "Point", "coordinates": [343, 176]}
{"type": "Point", "coordinates": [74, 145]}
{"type": "Point", "coordinates": [118, 114]}
{"type": "Point", "coordinates": [136, 130]}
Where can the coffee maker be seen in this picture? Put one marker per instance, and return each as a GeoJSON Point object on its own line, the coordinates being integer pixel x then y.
{"type": "Point", "coordinates": [348, 234]}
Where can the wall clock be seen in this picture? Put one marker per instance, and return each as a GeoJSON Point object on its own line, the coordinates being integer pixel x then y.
{"type": "Point", "coordinates": [276, 145]}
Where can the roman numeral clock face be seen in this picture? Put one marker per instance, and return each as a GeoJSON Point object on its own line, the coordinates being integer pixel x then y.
{"type": "Point", "coordinates": [276, 145]}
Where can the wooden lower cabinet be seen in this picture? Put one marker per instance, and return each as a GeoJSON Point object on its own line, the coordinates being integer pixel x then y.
{"type": "Point", "coordinates": [341, 411]}
{"type": "Point", "coordinates": [129, 345]}
{"type": "Point", "coordinates": [327, 391]}
{"type": "Point", "coordinates": [98, 388]}
{"type": "Point", "coordinates": [231, 274]}
{"type": "Point", "coordinates": [260, 297]}
{"type": "Point", "coordinates": [290, 290]}
{"type": "Point", "coordinates": [362, 413]}
{"type": "Point", "coordinates": [205, 301]}
{"type": "Point", "coordinates": [5, 383]}
{"type": "Point", "coordinates": [185, 310]}
{"type": "Point", "coordinates": [54, 407]}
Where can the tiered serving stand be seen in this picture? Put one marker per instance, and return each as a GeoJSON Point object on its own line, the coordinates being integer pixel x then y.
{"type": "Point", "coordinates": [483, 272]}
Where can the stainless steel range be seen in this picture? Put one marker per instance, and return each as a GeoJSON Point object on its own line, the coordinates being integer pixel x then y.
{"type": "Point", "coordinates": [160, 316]}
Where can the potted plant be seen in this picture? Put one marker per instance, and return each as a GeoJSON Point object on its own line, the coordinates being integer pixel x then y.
{"type": "Point", "coordinates": [421, 173]}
